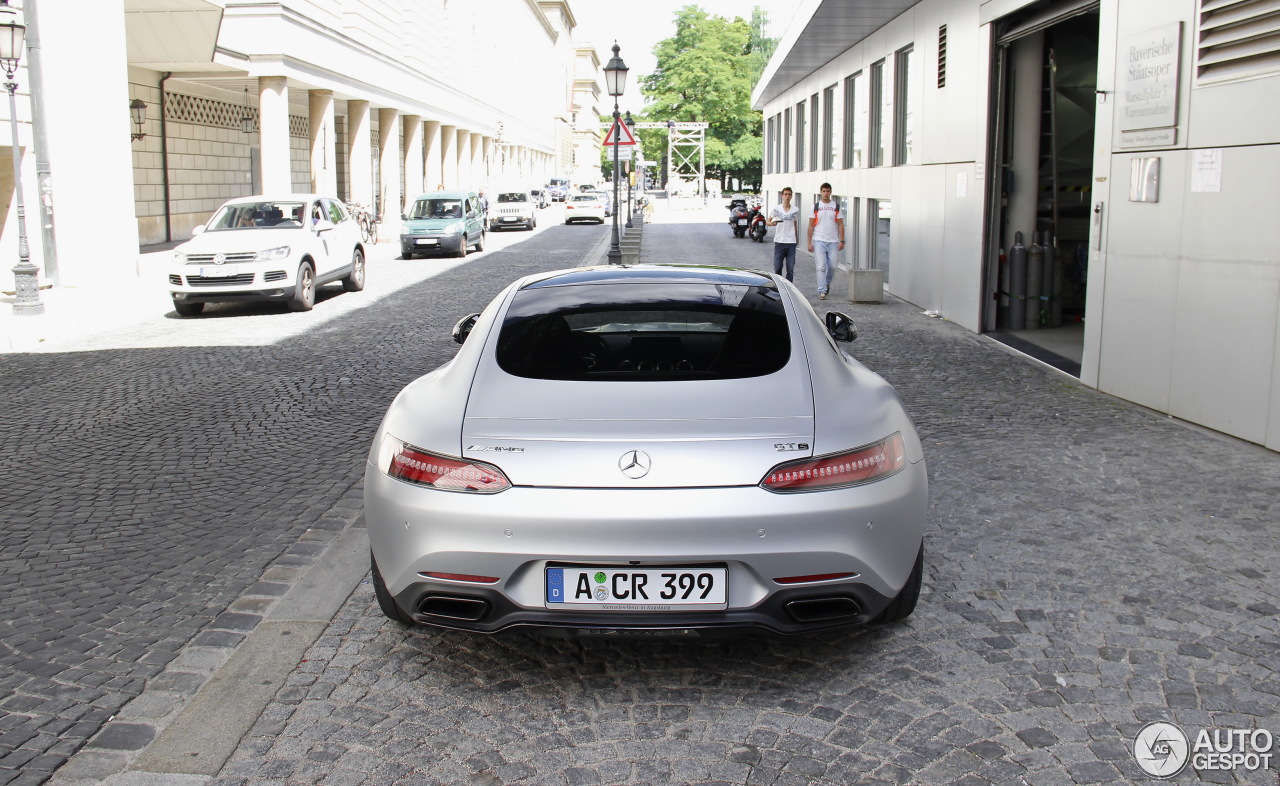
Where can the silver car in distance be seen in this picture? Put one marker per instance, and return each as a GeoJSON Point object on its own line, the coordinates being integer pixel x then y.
{"type": "Point", "coordinates": [647, 450]}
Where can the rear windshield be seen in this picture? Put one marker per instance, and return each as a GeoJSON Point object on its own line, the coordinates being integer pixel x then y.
{"type": "Point", "coordinates": [585, 198]}
{"type": "Point", "coordinates": [645, 331]}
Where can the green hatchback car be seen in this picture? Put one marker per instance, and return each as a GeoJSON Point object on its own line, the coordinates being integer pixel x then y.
{"type": "Point", "coordinates": [449, 221]}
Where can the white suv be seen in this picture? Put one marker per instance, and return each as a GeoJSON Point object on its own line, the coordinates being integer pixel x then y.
{"type": "Point", "coordinates": [268, 248]}
{"type": "Point", "coordinates": [513, 209]}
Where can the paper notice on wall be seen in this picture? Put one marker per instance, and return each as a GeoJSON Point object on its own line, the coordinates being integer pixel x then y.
{"type": "Point", "coordinates": [962, 184]}
{"type": "Point", "coordinates": [1206, 170]}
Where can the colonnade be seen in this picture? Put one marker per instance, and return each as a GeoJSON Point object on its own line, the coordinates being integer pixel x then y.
{"type": "Point", "coordinates": [433, 153]}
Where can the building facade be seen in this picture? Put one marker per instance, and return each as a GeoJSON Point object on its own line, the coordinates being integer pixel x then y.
{"type": "Point", "coordinates": [375, 101]}
{"type": "Point", "coordinates": [1094, 180]}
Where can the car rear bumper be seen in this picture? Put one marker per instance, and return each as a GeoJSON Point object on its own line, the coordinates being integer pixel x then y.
{"type": "Point", "coordinates": [869, 535]}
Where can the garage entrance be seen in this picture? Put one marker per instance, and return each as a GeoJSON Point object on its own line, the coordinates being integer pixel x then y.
{"type": "Point", "coordinates": [1044, 104]}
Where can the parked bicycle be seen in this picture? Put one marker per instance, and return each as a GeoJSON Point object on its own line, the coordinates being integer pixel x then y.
{"type": "Point", "coordinates": [367, 220]}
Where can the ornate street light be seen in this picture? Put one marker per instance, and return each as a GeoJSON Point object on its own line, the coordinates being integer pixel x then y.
{"type": "Point", "coordinates": [615, 78]}
{"type": "Point", "coordinates": [631, 124]}
{"type": "Point", "coordinates": [246, 117]}
{"type": "Point", "coordinates": [25, 275]}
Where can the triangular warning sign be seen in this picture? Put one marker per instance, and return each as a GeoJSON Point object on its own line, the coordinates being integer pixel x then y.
{"type": "Point", "coordinates": [627, 138]}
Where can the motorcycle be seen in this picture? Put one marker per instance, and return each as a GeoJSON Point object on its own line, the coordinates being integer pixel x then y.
{"type": "Point", "coordinates": [758, 228]}
{"type": "Point", "coordinates": [738, 217]}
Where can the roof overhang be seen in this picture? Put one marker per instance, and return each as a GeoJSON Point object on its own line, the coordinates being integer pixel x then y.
{"type": "Point", "coordinates": [819, 32]}
{"type": "Point", "coordinates": [171, 35]}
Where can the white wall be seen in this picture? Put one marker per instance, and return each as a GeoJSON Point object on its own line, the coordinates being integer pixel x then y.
{"type": "Point", "coordinates": [935, 270]}
{"type": "Point", "coordinates": [1190, 305]}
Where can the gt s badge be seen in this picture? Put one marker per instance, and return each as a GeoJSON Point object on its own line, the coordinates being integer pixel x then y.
{"type": "Point", "coordinates": [790, 447]}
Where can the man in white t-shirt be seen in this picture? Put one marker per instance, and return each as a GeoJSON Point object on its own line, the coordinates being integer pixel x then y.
{"type": "Point", "coordinates": [826, 238]}
{"type": "Point", "coordinates": [784, 238]}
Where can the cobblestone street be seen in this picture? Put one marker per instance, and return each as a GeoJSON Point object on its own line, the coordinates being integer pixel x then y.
{"type": "Point", "coordinates": [1090, 566]}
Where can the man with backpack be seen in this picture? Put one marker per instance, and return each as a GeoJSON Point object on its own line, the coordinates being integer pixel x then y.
{"type": "Point", "coordinates": [826, 238]}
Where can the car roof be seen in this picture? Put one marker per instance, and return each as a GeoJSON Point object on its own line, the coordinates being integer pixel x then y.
{"type": "Point", "coordinates": [651, 274]}
{"type": "Point", "coordinates": [445, 195]}
{"type": "Point", "coordinates": [281, 198]}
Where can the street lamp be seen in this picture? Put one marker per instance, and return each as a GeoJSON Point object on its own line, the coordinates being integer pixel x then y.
{"type": "Point", "coordinates": [138, 113]}
{"type": "Point", "coordinates": [631, 124]}
{"type": "Point", "coordinates": [615, 78]}
{"type": "Point", "coordinates": [25, 275]}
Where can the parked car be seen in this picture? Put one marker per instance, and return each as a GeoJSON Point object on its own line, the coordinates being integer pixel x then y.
{"type": "Point", "coordinates": [649, 450]}
{"type": "Point", "coordinates": [276, 248]}
{"type": "Point", "coordinates": [558, 188]}
{"type": "Point", "coordinates": [606, 198]}
{"type": "Point", "coordinates": [584, 207]}
{"type": "Point", "coordinates": [513, 209]}
{"type": "Point", "coordinates": [449, 221]}
{"type": "Point", "coordinates": [539, 196]}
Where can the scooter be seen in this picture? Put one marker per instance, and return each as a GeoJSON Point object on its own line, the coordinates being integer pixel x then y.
{"type": "Point", "coordinates": [738, 217]}
{"type": "Point", "coordinates": [758, 228]}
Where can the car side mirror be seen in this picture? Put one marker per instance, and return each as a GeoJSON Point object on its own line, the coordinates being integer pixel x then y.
{"type": "Point", "coordinates": [198, 230]}
{"type": "Point", "coordinates": [841, 327]}
{"type": "Point", "coordinates": [404, 216]}
{"type": "Point", "coordinates": [463, 328]}
{"type": "Point", "coordinates": [323, 225]}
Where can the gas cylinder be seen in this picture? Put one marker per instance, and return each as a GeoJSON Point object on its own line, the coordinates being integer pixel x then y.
{"type": "Point", "coordinates": [1017, 284]}
{"type": "Point", "coordinates": [1035, 281]}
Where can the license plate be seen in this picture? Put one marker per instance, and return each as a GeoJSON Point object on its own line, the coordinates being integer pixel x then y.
{"type": "Point", "coordinates": [636, 589]}
{"type": "Point", "coordinates": [742, 222]}
{"type": "Point", "coordinates": [505, 219]}
{"type": "Point", "coordinates": [222, 271]}
{"type": "Point", "coordinates": [426, 241]}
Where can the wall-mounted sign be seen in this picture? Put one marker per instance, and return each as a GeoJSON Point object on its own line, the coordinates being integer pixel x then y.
{"type": "Point", "coordinates": [1150, 66]}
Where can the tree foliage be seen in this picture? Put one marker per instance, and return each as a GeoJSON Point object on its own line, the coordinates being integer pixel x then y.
{"type": "Point", "coordinates": [705, 74]}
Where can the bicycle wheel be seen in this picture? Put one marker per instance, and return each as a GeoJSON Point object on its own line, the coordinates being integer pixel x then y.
{"type": "Point", "coordinates": [366, 232]}
{"type": "Point", "coordinates": [373, 233]}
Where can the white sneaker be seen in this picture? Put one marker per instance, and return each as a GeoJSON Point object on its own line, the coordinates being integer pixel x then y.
{"type": "Point", "coordinates": [822, 296]}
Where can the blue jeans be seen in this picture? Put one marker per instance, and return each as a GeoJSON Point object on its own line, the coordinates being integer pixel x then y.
{"type": "Point", "coordinates": [785, 252]}
{"type": "Point", "coordinates": [825, 255]}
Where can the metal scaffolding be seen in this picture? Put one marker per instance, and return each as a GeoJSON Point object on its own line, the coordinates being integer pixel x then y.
{"type": "Point", "coordinates": [685, 141]}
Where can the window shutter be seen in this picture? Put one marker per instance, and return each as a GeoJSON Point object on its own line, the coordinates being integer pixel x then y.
{"type": "Point", "coordinates": [1237, 39]}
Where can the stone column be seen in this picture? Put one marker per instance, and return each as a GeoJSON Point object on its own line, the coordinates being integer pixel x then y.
{"type": "Point", "coordinates": [413, 166]}
{"type": "Point", "coordinates": [466, 177]}
{"type": "Point", "coordinates": [479, 152]}
{"type": "Point", "coordinates": [273, 114]}
{"type": "Point", "coordinates": [390, 193]}
{"type": "Point", "coordinates": [433, 173]}
{"type": "Point", "coordinates": [359, 153]}
{"type": "Point", "coordinates": [324, 146]}
{"type": "Point", "coordinates": [449, 156]}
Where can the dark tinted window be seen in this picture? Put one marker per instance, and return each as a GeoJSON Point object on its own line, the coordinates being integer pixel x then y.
{"type": "Point", "coordinates": [645, 331]}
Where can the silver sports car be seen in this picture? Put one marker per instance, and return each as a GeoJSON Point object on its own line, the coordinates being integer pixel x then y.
{"type": "Point", "coordinates": [647, 450]}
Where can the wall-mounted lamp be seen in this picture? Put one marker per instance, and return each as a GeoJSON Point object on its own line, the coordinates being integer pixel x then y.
{"type": "Point", "coordinates": [247, 124]}
{"type": "Point", "coordinates": [138, 111]}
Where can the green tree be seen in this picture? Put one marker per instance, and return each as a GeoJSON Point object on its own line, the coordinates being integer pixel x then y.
{"type": "Point", "coordinates": [704, 74]}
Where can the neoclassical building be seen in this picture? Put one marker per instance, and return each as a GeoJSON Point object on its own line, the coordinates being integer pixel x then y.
{"type": "Point", "coordinates": [373, 100]}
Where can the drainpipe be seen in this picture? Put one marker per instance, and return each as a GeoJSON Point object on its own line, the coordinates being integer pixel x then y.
{"type": "Point", "coordinates": [164, 163]}
{"type": "Point", "coordinates": [40, 140]}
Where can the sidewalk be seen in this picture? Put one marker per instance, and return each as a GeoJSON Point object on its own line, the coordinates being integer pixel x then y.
{"type": "Point", "coordinates": [94, 307]}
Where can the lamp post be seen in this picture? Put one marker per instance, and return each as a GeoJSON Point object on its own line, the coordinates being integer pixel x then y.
{"type": "Point", "coordinates": [25, 275]}
{"type": "Point", "coordinates": [630, 124]}
{"type": "Point", "coordinates": [615, 77]}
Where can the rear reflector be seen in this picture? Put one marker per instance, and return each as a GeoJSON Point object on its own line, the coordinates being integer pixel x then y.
{"type": "Point", "coordinates": [459, 577]}
{"type": "Point", "coordinates": [838, 470]}
{"type": "Point", "coordinates": [816, 577]}
{"type": "Point", "coordinates": [414, 465]}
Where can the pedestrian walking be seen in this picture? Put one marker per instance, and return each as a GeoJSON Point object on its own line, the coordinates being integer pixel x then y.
{"type": "Point", "coordinates": [826, 238]}
{"type": "Point", "coordinates": [784, 217]}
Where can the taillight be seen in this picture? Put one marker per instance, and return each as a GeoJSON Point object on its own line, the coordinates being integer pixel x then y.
{"type": "Point", "coordinates": [414, 465]}
{"type": "Point", "coordinates": [837, 470]}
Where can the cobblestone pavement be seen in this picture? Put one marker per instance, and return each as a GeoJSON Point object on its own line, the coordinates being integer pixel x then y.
{"type": "Point", "coordinates": [1090, 566]}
